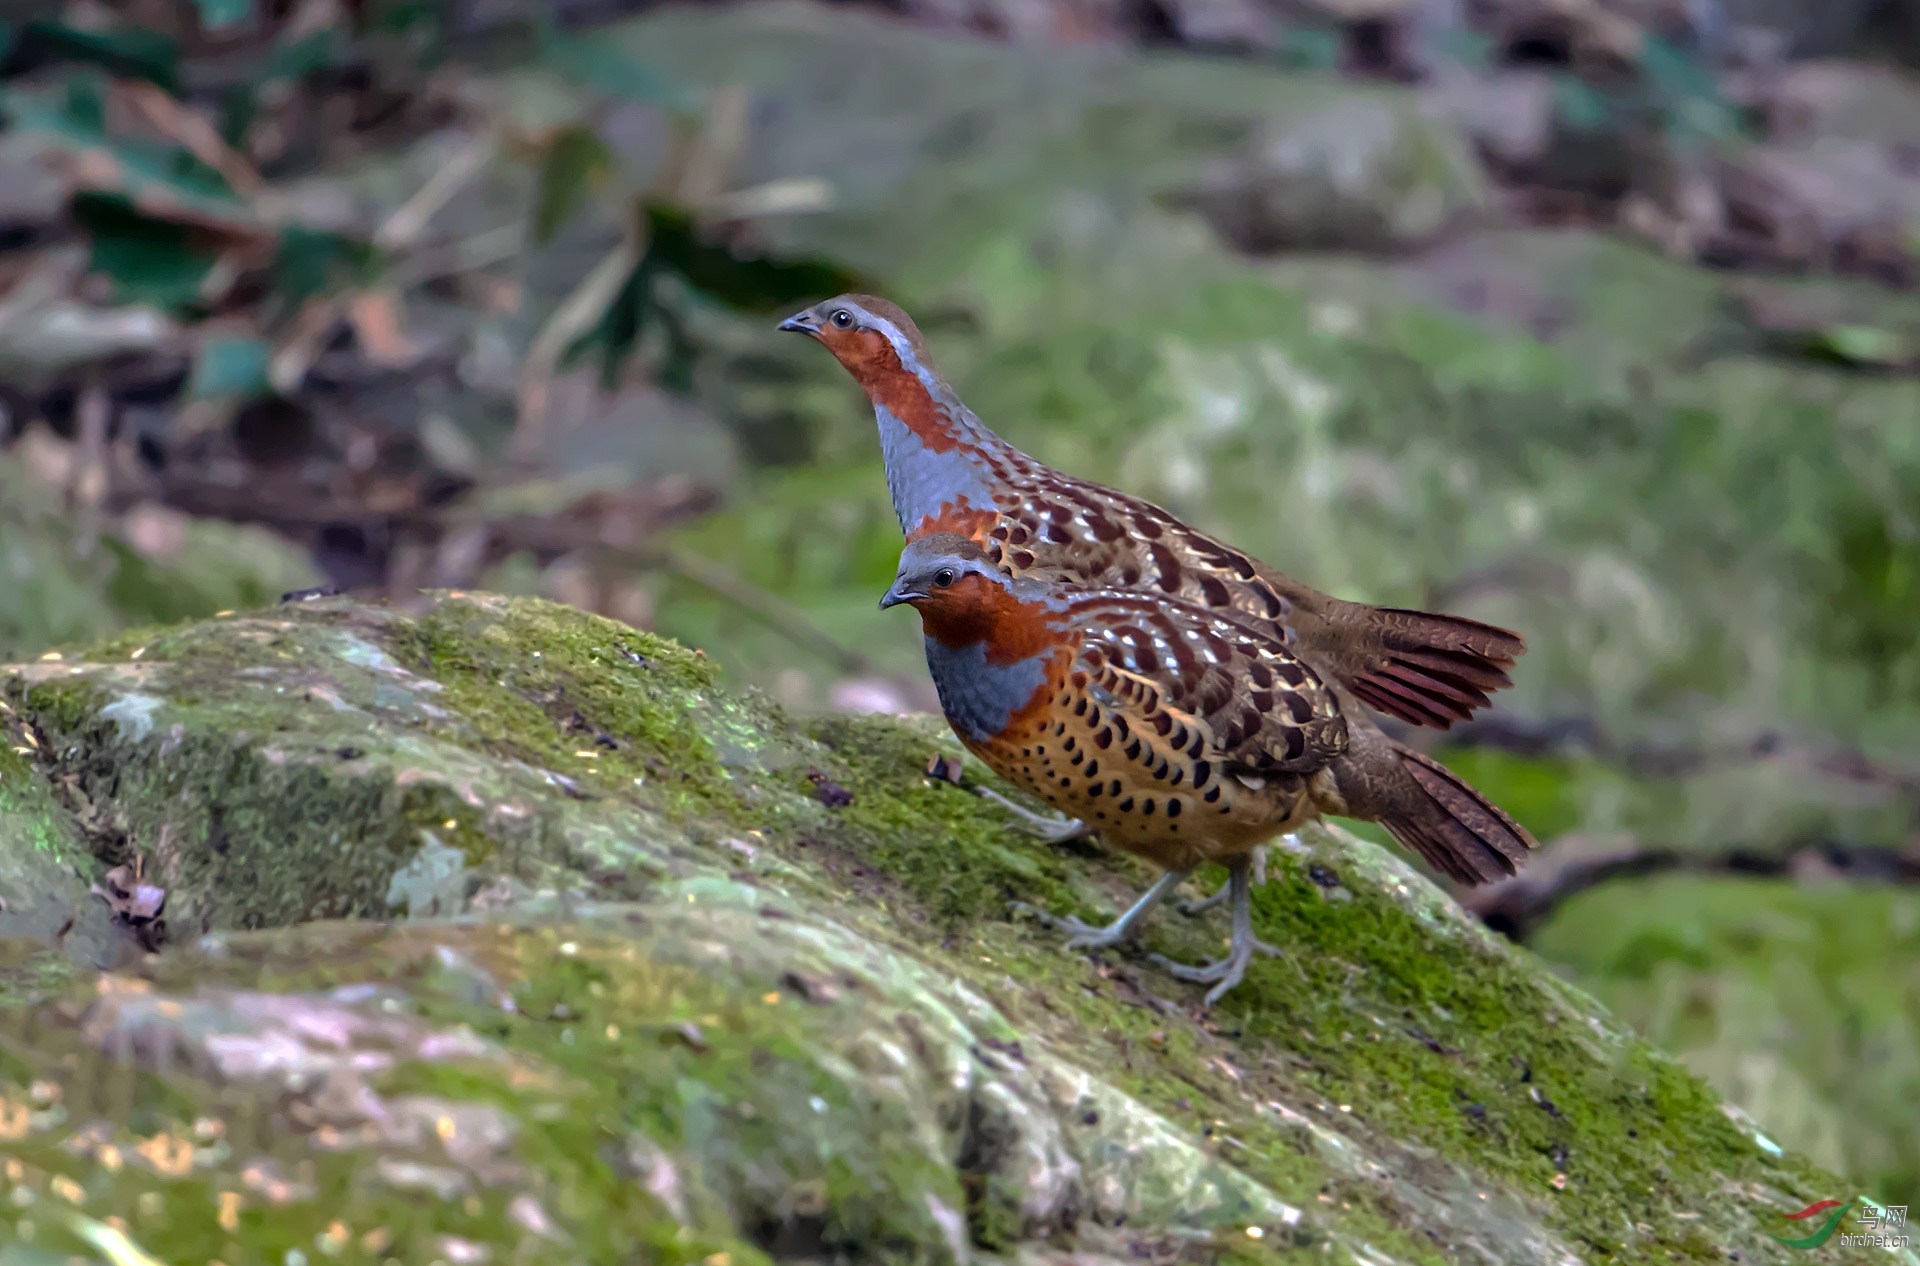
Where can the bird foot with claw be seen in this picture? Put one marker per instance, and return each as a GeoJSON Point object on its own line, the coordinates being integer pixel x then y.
{"type": "Point", "coordinates": [1080, 934]}
{"type": "Point", "coordinates": [1194, 909]}
{"type": "Point", "coordinates": [1223, 974]}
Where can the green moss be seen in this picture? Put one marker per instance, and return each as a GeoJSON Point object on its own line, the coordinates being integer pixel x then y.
{"type": "Point", "coordinates": [1352, 1016]}
{"type": "Point", "coordinates": [1797, 1001]}
{"type": "Point", "coordinates": [1362, 1002]}
{"type": "Point", "coordinates": [32, 820]}
{"type": "Point", "coordinates": [612, 707]}
{"type": "Point", "coordinates": [311, 777]}
{"type": "Point", "coordinates": [562, 1148]}
{"type": "Point", "coordinates": [953, 855]}
{"type": "Point", "coordinates": [59, 706]}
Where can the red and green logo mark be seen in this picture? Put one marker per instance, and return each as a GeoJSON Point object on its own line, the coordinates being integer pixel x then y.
{"type": "Point", "coordinates": [1827, 1228]}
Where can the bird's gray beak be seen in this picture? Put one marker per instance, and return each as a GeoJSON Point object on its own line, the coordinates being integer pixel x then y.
{"type": "Point", "coordinates": [800, 323]}
{"type": "Point", "coordinates": [898, 594]}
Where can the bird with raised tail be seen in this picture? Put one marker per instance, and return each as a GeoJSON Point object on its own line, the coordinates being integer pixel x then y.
{"type": "Point", "coordinates": [1184, 735]}
{"type": "Point", "coordinates": [949, 473]}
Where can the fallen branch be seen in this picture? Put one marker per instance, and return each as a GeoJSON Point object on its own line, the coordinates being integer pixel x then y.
{"type": "Point", "coordinates": [1517, 907]}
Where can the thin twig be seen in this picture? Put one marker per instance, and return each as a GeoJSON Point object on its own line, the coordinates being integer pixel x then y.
{"type": "Point", "coordinates": [573, 318]}
{"type": "Point", "coordinates": [798, 196]}
{"type": "Point", "coordinates": [482, 250]}
{"type": "Point", "coordinates": [94, 413]}
{"type": "Point", "coordinates": [288, 365]}
{"type": "Point", "coordinates": [405, 225]}
{"type": "Point", "coordinates": [770, 609]}
{"type": "Point", "coordinates": [704, 163]}
{"type": "Point", "coordinates": [191, 131]}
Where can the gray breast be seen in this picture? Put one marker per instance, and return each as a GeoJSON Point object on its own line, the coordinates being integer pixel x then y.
{"type": "Point", "coordinates": [923, 482]}
{"type": "Point", "coordinates": [980, 698]}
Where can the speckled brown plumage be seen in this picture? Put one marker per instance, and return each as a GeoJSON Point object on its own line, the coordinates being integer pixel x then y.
{"type": "Point", "coordinates": [1184, 735]}
{"type": "Point", "coordinates": [948, 472]}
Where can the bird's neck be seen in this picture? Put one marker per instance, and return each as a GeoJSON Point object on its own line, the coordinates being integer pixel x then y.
{"type": "Point", "coordinates": [993, 662]}
{"type": "Point", "coordinates": [992, 621]}
{"type": "Point", "coordinates": [982, 699]}
{"type": "Point", "coordinates": [943, 464]}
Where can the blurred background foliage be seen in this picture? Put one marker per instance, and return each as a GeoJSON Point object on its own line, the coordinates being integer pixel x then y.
{"type": "Point", "coordinates": [1596, 319]}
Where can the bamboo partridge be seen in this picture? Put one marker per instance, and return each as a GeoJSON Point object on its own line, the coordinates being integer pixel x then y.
{"type": "Point", "coordinates": [949, 473]}
{"type": "Point", "coordinates": [1185, 735]}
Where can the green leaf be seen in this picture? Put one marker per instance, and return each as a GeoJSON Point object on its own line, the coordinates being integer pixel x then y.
{"type": "Point", "coordinates": [86, 105]}
{"type": "Point", "coordinates": [1309, 48]}
{"type": "Point", "coordinates": [743, 281]}
{"type": "Point", "coordinates": [603, 65]}
{"type": "Point", "coordinates": [128, 52]}
{"type": "Point", "coordinates": [575, 160]}
{"type": "Point", "coordinates": [162, 180]}
{"type": "Point", "coordinates": [1674, 72]}
{"type": "Point", "coordinates": [618, 331]}
{"type": "Point", "coordinates": [747, 282]}
{"type": "Point", "coordinates": [316, 261]}
{"type": "Point", "coordinates": [1686, 86]}
{"type": "Point", "coordinates": [403, 17]}
{"type": "Point", "coordinates": [287, 61]}
{"type": "Point", "coordinates": [296, 59]}
{"type": "Point", "coordinates": [676, 370]}
{"type": "Point", "coordinates": [1579, 105]}
{"type": "Point", "coordinates": [148, 260]}
{"type": "Point", "coordinates": [230, 367]}
{"type": "Point", "coordinates": [1464, 47]}
{"type": "Point", "coordinates": [217, 15]}
{"type": "Point", "coordinates": [238, 109]}
{"type": "Point", "coordinates": [1863, 345]}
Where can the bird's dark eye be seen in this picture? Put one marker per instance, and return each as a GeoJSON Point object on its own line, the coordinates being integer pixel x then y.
{"type": "Point", "coordinates": [943, 578]}
{"type": "Point", "coordinates": [842, 319]}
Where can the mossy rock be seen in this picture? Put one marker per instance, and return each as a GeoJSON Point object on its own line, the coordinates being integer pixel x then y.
{"type": "Point", "coordinates": [1798, 1000]}
{"type": "Point", "coordinates": [45, 907]}
{"type": "Point", "coordinates": [59, 586]}
{"type": "Point", "coordinates": [666, 993]}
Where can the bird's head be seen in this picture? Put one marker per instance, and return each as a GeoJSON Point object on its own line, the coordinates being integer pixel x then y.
{"type": "Point", "coordinates": [945, 573]}
{"type": "Point", "coordinates": [963, 598]}
{"type": "Point", "coordinates": [869, 336]}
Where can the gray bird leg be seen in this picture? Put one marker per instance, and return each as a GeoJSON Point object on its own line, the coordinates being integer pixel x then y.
{"type": "Point", "coordinates": [1052, 830]}
{"type": "Point", "coordinates": [1219, 898]}
{"type": "Point", "coordinates": [1227, 972]}
{"type": "Point", "coordinates": [1086, 936]}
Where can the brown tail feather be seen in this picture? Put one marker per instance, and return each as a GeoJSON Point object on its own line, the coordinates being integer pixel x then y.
{"type": "Point", "coordinates": [1431, 810]}
{"type": "Point", "coordinates": [1476, 832]}
{"type": "Point", "coordinates": [1430, 669]}
{"type": "Point", "coordinates": [1423, 667]}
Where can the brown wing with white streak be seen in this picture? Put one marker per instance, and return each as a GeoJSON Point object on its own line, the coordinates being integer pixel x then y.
{"type": "Point", "coordinates": [1423, 667]}
{"type": "Point", "coordinates": [1195, 685]}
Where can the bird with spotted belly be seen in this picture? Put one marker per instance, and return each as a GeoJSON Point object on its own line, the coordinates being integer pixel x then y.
{"type": "Point", "coordinates": [1184, 735]}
